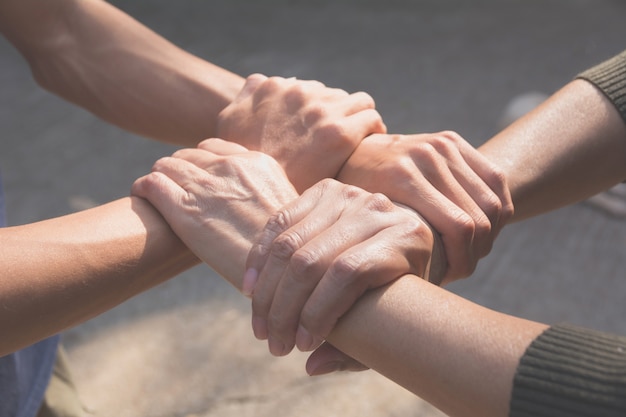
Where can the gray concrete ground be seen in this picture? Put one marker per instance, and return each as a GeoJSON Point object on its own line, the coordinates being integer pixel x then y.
{"type": "Point", "coordinates": [185, 348]}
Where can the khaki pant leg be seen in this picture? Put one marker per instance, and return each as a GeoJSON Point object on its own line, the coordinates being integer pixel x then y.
{"type": "Point", "coordinates": [61, 398]}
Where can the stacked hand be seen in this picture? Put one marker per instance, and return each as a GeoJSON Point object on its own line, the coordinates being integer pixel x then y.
{"type": "Point", "coordinates": [456, 189]}
{"type": "Point", "coordinates": [308, 128]}
{"type": "Point", "coordinates": [308, 258]}
{"type": "Point", "coordinates": [320, 253]}
{"type": "Point", "coordinates": [216, 198]}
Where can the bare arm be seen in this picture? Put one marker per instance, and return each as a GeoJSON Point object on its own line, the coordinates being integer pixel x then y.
{"type": "Point", "coordinates": [96, 56]}
{"type": "Point", "coordinates": [453, 353]}
{"type": "Point", "coordinates": [58, 273]}
{"type": "Point", "coordinates": [569, 148]}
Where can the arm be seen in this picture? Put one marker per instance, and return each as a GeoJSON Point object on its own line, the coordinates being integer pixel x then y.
{"type": "Point", "coordinates": [61, 272]}
{"type": "Point", "coordinates": [430, 341]}
{"type": "Point", "coordinates": [96, 56]}
{"type": "Point", "coordinates": [569, 148]}
{"type": "Point", "coordinates": [453, 353]}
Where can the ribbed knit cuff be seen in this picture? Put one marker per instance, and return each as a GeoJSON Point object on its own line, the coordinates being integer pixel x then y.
{"type": "Point", "coordinates": [610, 77]}
{"type": "Point", "coordinates": [569, 371]}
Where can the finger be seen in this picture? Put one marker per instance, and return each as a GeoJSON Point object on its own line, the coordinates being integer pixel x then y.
{"type": "Point", "coordinates": [327, 359]}
{"type": "Point", "coordinates": [198, 157]}
{"type": "Point", "coordinates": [289, 215]}
{"type": "Point", "coordinates": [295, 92]}
{"type": "Point", "coordinates": [368, 217]}
{"type": "Point", "coordinates": [369, 264]}
{"type": "Point", "coordinates": [485, 183]}
{"type": "Point", "coordinates": [471, 171]}
{"type": "Point", "coordinates": [357, 102]}
{"type": "Point", "coordinates": [261, 284]}
{"type": "Point", "coordinates": [362, 124]}
{"type": "Point", "coordinates": [252, 83]}
{"type": "Point", "coordinates": [477, 199]}
{"type": "Point", "coordinates": [440, 193]}
{"type": "Point", "coordinates": [160, 190]}
{"type": "Point", "coordinates": [221, 147]}
{"type": "Point", "coordinates": [166, 187]}
{"type": "Point", "coordinates": [496, 181]}
{"type": "Point", "coordinates": [320, 239]}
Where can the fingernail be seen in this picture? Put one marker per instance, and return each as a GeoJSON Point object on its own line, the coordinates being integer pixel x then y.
{"type": "Point", "coordinates": [277, 348]}
{"type": "Point", "coordinates": [326, 368]}
{"type": "Point", "coordinates": [259, 327]}
{"type": "Point", "coordinates": [250, 278]}
{"type": "Point", "coordinates": [304, 341]}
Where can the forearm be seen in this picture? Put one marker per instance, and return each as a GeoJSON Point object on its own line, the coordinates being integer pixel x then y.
{"type": "Point", "coordinates": [94, 55]}
{"type": "Point", "coordinates": [455, 354]}
{"type": "Point", "coordinates": [427, 339]}
{"type": "Point", "coordinates": [569, 148]}
{"type": "Point", "coordinates": [60, 272]}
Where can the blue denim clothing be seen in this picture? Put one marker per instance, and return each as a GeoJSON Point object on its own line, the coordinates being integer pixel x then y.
{"type": "Point", "coordinates": [24, 375]}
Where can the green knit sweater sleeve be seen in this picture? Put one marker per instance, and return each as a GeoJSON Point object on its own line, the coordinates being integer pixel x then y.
{"type": "Point", "coordinates": [571, 372]}
{"type": "Point", "coordinates": [610, 77]}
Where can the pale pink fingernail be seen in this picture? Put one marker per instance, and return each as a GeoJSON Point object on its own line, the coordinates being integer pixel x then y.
{"type": "Point", "coordinates": [259, 327]}
{"type": "Point", "coordinates": [250, 278]}
{"type": "Point", "coordinates": [277, 348]}
{"type": "Point", "coordinates": [304, 341]}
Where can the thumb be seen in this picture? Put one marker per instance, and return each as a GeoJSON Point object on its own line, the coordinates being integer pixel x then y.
{"type": "Point", "coordinates": [327, 358]}
{"type": "Point", "coordinates": [252, 83]}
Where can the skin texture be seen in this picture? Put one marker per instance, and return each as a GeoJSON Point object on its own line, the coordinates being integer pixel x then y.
{"type": "Point", "coordinates": [549, 158]}
{"type": "Point", "coordinates": [434, 343]}
{"type": "Point", "coordinates": [430, 341]}
{"type": "Point", "coordinates": [88, 51]}
{"type": "Point", "coordinates": [457, 190]}
{"type": "Point", "coordinates": [569, 148]}
{"type": "Point", "coordinates": [80, 265]}
{"type": "Point", "coordinates": [328, 122]}
{"type": "Point", "coordinates": [323, 245]}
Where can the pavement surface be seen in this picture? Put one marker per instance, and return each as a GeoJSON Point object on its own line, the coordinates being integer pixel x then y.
{"type": "Point", "coordinates": [186, 348]}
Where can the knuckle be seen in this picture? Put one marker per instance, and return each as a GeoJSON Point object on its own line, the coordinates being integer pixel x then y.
{"type": "Point", "coordinates": [482, 226]}
{"type": "Point", "coordinates": [464, 226]}
{"type": "Point", "coordinates": [334, 133]}
{"type": "Point", "coordinates": [285, 245]}
{"type": "Point", "coordinates": [326, 185]}
{"type": "Point", "coordinates": [493, 208]}
{"type": "Point", "coordinates": [424, 152]}
{"type": "Point", "coordinates": [403, 171]}
{"type": "Point", "coordinates": [350, 192]}
{"type": "Point", "coordinates": [315, 113]}
{"type": "Point", "coordinates": [345, 270]}
{"type": "Point", "coordinates": [302, 264]}
{"type": "Point", "coordinates": [278, 222]}
{"type": "Point", "coordinates": [450, 136]}
{"type": "Point", "coordinates": [378, 202]}
{"type": "Point", "coordinates": [499, 184]}
{"type": "Point", "coordinates": [443, 143]}
{"type": "Point", "coordinates": [366, 100]}
{"type": "Point", "coordinates": [418, 229]}
{"type": "Point", "coordinates": [269, 86]}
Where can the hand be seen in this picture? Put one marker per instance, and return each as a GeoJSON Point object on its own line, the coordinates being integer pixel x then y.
{"type": "Point", "coordinates": [216, 198]}
{"type": "Point", "coordinates": [321, 252]}
{"type": "Point", "coordinates": [308, 128]}
{"type": "Point", "coordinates": [441, 176]}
